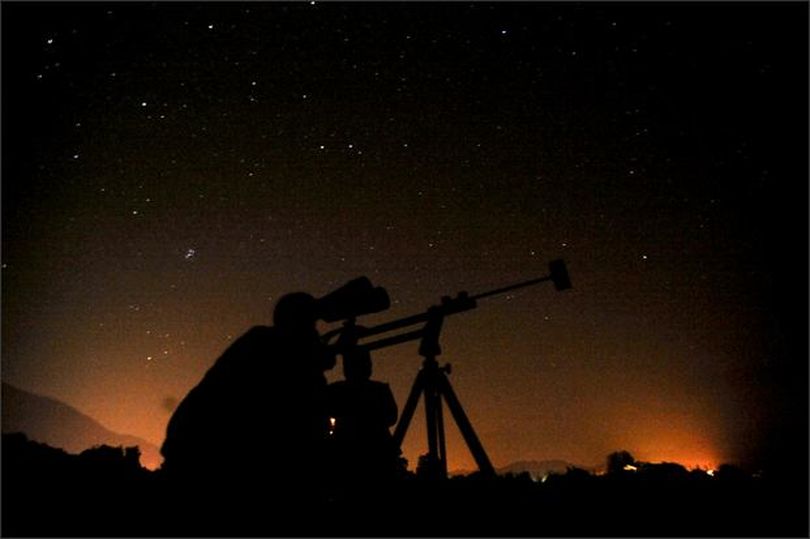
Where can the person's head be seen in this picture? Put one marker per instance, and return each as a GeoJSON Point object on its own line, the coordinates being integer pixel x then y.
{"type": "Point", "coordinates": [357, 365]}
{"type": "Point", "coordinates": [295, 313]}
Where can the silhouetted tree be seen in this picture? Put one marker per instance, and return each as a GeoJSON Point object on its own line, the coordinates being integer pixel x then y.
{"type": "Point", "coordinates": [617, 461]}
{"type": "Point", "coordinates": [574, 473]}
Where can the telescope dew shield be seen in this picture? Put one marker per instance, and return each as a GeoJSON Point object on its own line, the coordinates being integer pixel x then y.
{"type": "Point", "coordinates": [559, 274]}
{"type": "Point", "coordinates": [355, 298]}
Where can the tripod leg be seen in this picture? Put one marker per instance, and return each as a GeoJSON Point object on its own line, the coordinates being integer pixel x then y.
{"type": "Point", "coordinates": [440, 431]}
{"type": "Point", "coordinates": [432, 405]}
{"type": "Point", "coordinates": [409, 409]}
{"type": "Point", "coordinates": [465, 426]}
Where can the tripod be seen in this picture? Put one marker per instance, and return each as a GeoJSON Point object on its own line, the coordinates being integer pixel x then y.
{"type": "Point", "coordinates": [432, 382]}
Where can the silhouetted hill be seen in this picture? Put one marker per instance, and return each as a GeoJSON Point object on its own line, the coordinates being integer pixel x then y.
{"type": "Point", "coordinates": [59, 425]}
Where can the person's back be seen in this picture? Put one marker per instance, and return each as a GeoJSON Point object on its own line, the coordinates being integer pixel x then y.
{"type": "Point", "coordinates": [363, 411]}
{"type": "Point", "coordinates": [259, 411]}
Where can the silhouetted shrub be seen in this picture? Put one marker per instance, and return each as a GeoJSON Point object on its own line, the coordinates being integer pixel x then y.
{"type": "Point", "coordinates": [729, 472]}
{"type": "Point", "coordinates": [662, 471]}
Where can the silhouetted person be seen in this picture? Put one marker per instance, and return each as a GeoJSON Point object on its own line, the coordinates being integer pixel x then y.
{"type": "Point", "coordinates": [257, 419]}
{"type": "Point", "coordinates": [363, 410]}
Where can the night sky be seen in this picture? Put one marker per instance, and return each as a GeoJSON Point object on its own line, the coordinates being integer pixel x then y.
{"type": "Point", "coordinates": [171, 169]}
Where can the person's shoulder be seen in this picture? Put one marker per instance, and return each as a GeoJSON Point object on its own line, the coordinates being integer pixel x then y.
{"type": "Point", "coordinates": [381, 389]}
{"type": "Point", "coordinates": [337, 387]}
{"type": "Point", "coordinates": [261, 331]}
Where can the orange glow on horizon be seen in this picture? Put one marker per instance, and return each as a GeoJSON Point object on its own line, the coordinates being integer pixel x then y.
{"type": "Point", "coordinates": [685, 448]}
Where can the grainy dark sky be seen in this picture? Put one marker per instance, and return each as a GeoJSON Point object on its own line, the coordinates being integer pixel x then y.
{"type": "Point", "coordinates": [171, 169]}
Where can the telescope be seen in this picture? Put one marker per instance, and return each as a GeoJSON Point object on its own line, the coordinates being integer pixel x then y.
{"type": "Point", "coordinates": [431, 381]}
{"type": "Point", "coordinates": [558, 274]}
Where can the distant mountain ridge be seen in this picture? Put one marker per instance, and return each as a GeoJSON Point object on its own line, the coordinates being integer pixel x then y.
{"type": "Point", "coordinates": [57, 424]}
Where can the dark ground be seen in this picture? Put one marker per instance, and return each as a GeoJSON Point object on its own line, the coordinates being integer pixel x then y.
{"type": "Point", "coordinates": [104, 492]}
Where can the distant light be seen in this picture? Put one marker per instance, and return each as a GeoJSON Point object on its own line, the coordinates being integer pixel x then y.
{"type": "Point", "coordinates": [143, 103]}
{"type": "Point", "coordinates": [50, 41]}
{"type": "Point", "coordinates": [210, 26]}
{"type": "Point", "coordinates": [630, 468]}
{"type": "Point", "coordinates": [644, 257]}
{"type": "Point", "coordinates": [503, 32]}
{"type": "Point", "coordinates": [710, 473]}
